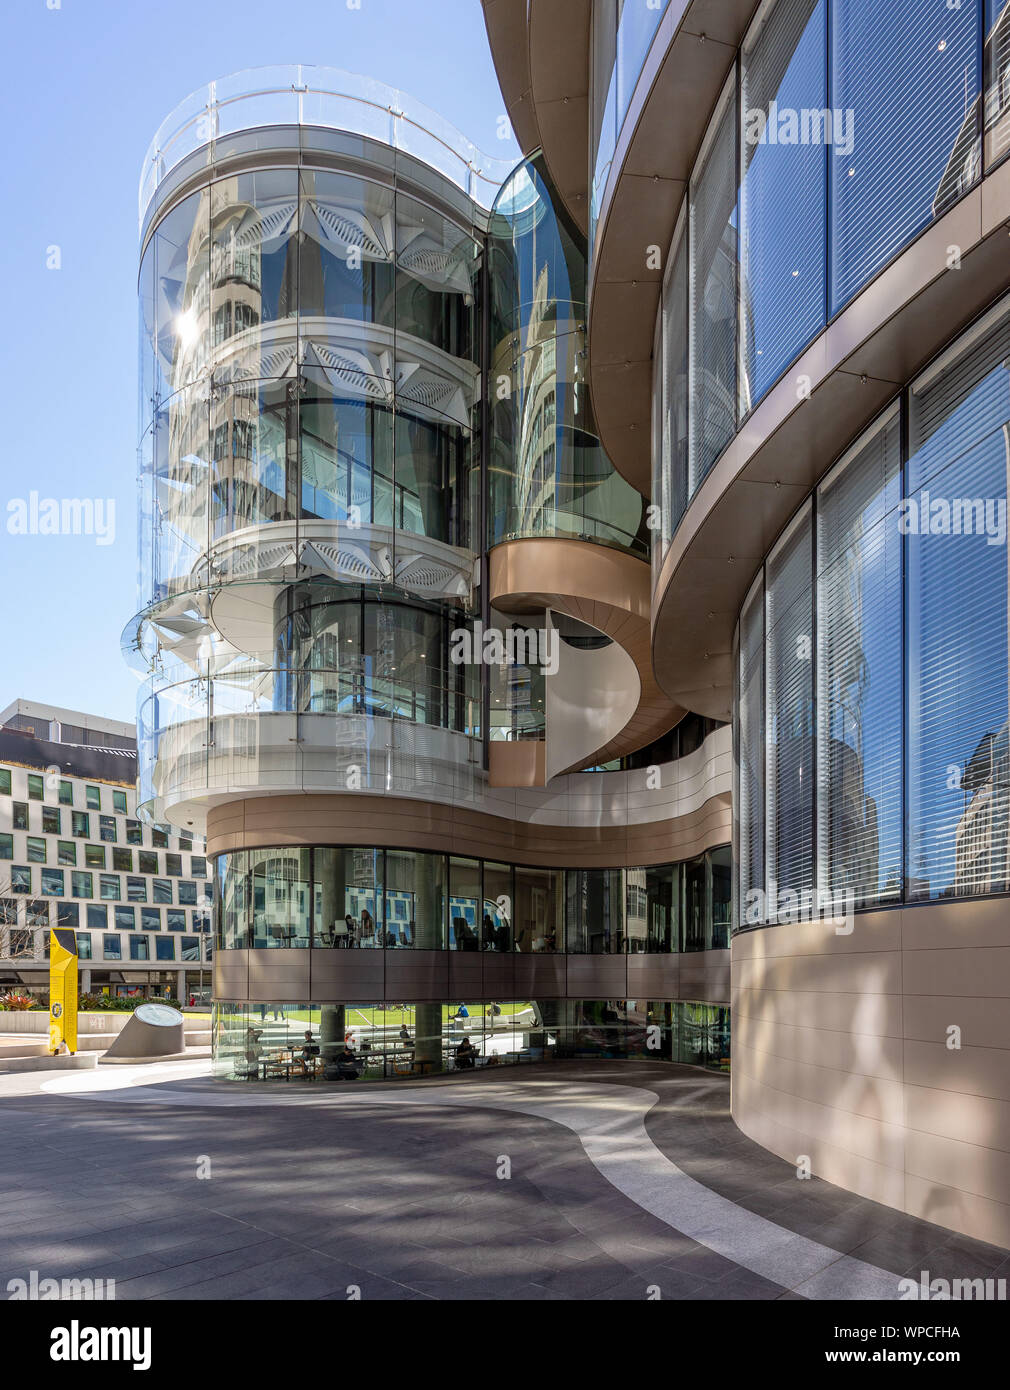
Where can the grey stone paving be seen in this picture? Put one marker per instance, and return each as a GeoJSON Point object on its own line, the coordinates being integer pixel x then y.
{"type": "Point", "coordinates": [307, 1203]}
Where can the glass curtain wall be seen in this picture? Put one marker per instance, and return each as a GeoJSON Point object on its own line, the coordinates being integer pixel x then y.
{"type": "Point", "coordinates": [903, 794]}
{"type": "Point", "coordinates": [854, 129]}
{"type": "Point", "coordinates": [371, 899]}
{"type": "Point", "coordinates": [548, 474]}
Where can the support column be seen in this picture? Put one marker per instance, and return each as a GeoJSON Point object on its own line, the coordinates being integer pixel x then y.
{"type": "Point", "coordinates": [428, 1035]}
{"type": "Point", "coordinates": [332, 1027]}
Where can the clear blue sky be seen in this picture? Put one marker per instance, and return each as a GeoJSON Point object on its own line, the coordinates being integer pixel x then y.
{"type": "Point", "coordinates": [85, 87]}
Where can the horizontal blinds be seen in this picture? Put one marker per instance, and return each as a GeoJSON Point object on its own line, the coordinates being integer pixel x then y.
{"type": "Point", "coordinates": [906, 77]}
{"type": "Point", "coordinates": [957, 617]}
{"type": "Point", "coordinates": [859, 685]}
{"type": "Point", "coordinates": [713, 295]}
{"type": "Point", "coordinates": [782, 291]}
{"type": "Point", "coordinates": [750, 807]}
{"type": "Point", "coordinates": [789, 617]}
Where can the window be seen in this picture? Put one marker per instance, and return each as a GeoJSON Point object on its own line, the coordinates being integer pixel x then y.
{"type": "Point", "coordinates": [139, 948]}
{"type": "Point", "coordinates": [159, 839]}
{"type": "Point", "coordinates": [82, 884]}
{"type": "Point", "coordinates": [134, 832]}
{"type": "Point", "coordinates": [147, 862]}
{"type": "Point", "coordinates": [594, 911]}
{"type": "Point", "coordinates": [8, 912]}
{"type": "Point", "coordinates": [94, 856]}
{"type": "Point", "coordinates": [789, 621]}
{"type": "Point", "coordinates": [51, 820]}
{"type": "Point", "coordinates": [198, 866]}
{"type": "Point", "coordinates": [187, 894]}
{"type": "Point", "coordinates": [749, 784]}
{"type": "Point", "coordinates": [93, 798]}
{"type": "Point", "coordinates": [107, 829]}
{"type": "Point", "coordinates": [36, 849]}
{"type": "Point", "coordinates": [126, 918]}
{"type": "Point", "coordinates": [997, 82]}
{"type": "Point", "coordinates": [37, 915]}
{"type": "Point", "coordinates": [190, 948]}
{"type": "Point", "coordinates": [68, 914]}
{"type": "Point", "coordinates": [108, 887]}
{"type": "Point", "coordinates": [136, 890]}
{"type": "Point", "coordinates": [66, 852]}
{"type": "Point", "coordinates": [66, 793]}
{"type": "Point", "coordinates": [19, 814]}
{"type": "Point", "coordinates": [175, 920]}
{"type": "Point", "coordinates": [162, 890]}
{"type": "Point", "coordinates": [21, 879]}
{"type": "Point", "coordinates": [783, 246]}
{"type": "Point", "coordinates": [36, 787]}
{"type": "Point", "coordinates": [97, 915]}
{"type": "Point", "coordinates": [52, 883]}
{"type": "Point", "coordinates": [122, 860]}
{"type": "Point", "coordinates": [173, 865]}
{"type": "Point", "coordinates": [670, 486]}
{"type": "Point", "coordinates": [80, 825]}
{"type": "Point", "coordinates": [164, 948]}
{"type": "Point", "coordinates": [713, 293]}
{"type": "Point", "coordinates": [5, 781]}
{"type": "Point", "coordinates": [956, 619]}
{"type": "Point", "coordinates": [910, 80]}
{"type": "Point", "coordinates": [150, 918]}
{"type": "Point", "coordinates": [83, 945]}
{"type": "Point", "coordinates": [112, 948]}
{"type": "Point", "coordinates": [859, 672]}
{"type": "Point", "coordinates": [6, 846]}
{"type": "Point", "coordinates": [119, 802]}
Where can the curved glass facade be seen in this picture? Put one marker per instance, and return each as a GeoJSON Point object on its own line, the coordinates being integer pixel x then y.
{"type": "Point", "coordinates": [843, 131]}
{"type": "Point", "coordinates": [871, 722]}
{"type": "Point", "coordinates": [548, 475]}
{"type": "Point", "coordinates": [310, 481]}
{"type": "Point", "coordinates": [393, 899]}
{"type": "Point", "coordinates": [343, 1042]}
{"type": "Point", "coordinates": [622, 33]}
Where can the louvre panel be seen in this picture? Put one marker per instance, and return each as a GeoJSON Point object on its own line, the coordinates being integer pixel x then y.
{"type": "Point", "coordinates": [859, 685]}
{"type": "Point", "coordinates": [713, 221]}
{"type": "Point", "coordinates": [957, 623]}
{"type": "Point", "coordinates": [789, 617]}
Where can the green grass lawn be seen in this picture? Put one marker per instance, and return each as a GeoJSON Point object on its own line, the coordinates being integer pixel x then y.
{"type": "Point", "coordinates": [362, 1016]}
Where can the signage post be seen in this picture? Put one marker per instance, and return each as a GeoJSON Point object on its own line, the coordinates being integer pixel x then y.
{"type": "Point", "coordinates": [62, 989]}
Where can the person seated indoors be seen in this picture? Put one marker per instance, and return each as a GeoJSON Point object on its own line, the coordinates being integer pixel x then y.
{"type": "Point", "coordinates": [346, 1064]}
{"type": "Point", "coordinates": [465, 1055]}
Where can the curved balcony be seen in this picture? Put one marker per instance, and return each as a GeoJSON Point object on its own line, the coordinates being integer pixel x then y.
{"type": "Point", "coordinates": [604, 703]}
{"type": "Point", "coordinates": [298, 94]}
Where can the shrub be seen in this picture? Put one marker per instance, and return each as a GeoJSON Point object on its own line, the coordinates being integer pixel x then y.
{"type": "Point", "coordinates": [12, 1002]}
{"type": "Point", "coordinates": [111, 1003]}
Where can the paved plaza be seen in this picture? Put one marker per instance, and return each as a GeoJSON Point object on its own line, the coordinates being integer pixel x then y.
{"type": "Point", "coordinates": [574, 1181]}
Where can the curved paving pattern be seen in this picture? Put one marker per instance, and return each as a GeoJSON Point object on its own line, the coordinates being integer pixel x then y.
{"type": "Point", "coordinates": [609, 1121]}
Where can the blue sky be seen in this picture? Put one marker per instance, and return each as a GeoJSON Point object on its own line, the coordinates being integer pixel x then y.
{"type": "Point", "coordinates": [85, 87]}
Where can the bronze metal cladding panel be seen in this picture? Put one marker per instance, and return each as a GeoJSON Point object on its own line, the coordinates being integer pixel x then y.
{"type": "Point", "coordinates": [704, 975]}
{"type": "Point", "coordinates": [499, 975]}
{"type": "Point", "coordinates": [231, 975]}
{"type": "Point", "coordinates": [417, 975]}
{"type": "Point", "coordinates": [347, 974]}
{"type": "Point", "coordinates": [597, 977]}
{"type": "Point", "coordinates": [466, 975]}
{"type": "Point", "coordinates": [654, 977]}
{"type": "Point", "coordinates": [539, 976]}
{"type": "Point", "coordinates": [347, 819]}
{"type": "Point", "coordinates": [279, 975]}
